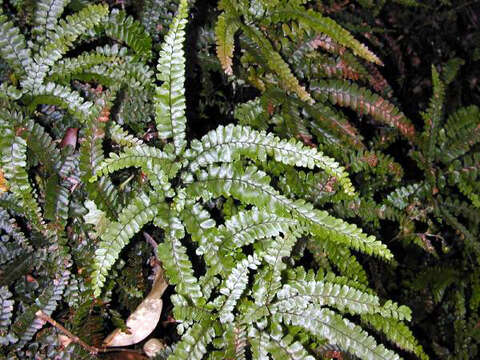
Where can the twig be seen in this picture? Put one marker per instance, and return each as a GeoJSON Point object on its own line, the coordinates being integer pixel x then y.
{"type": "Point", "coordinates": [152, 242]}
{"type": "Point", "coordinates": [75, 339]}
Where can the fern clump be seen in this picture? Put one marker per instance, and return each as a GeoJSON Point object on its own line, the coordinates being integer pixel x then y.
{"type": "Point", "coordinates": [246, 290]}
{"type": "Point", "coordinates": [233, 227]}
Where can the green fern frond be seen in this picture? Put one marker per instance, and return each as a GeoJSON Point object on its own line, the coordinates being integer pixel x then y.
{"type": "Point", "coordinates": [122, 137]}
{"type": "Point", "coordinates": [362, 100]}
{"type": "Point", "coordinates": [225, 144]}
{"type": "Point", "coordinates": [13, 48]}
{"type": "Point", "coordinates": [247, 226]}
{"type": "Point", "coordinates": [170, 98]}
{"type": "Point", "coordinates": [107, 65]}
{"type": "Point", "coordinates": [434, 115]}
{"type": "Point", "coordinates": [45, 17]}
{"type": "Point", "coordinates": [156, 164]}
{"type": "Point", "coordinates": [342, 297]}
{"type": "Point", "coordinates": [194, 343]}
{"type": "Point", "coordinates": [275, 63]}
{"type": "Point", "coordinates": [127, 30]}
{"type": "Point", "coordinates": [399, 198]}
{"type": "Point", "coordinates": [233, 287]}
{"type": "Point", "coordinates": [330, 28]}
{"type": "Point", "coordinates": [27, 324]}
{"type": "Point", "coordinates": [251, 186]}
{"type": "Point", "coordinates": [282, 346]}
{"type": "Point", "coordinates": [64, 34]}
{"type": "Point", "coordinates": [326, 324]}
{"type": "Point", "coordinates": [56, 94]}
{"type": "Point", "coordinates": [462, 131]}
{"type": "Point", "coordinates": [342, 258]}
{"type": "Point", "coordinates": [139, 212]}
{"type": "Point", "coordinates": [396, 332]}
{"type": "Point", "coordinates": [177, 265]}
{"type": "Point", "coordinates": [14, 164]}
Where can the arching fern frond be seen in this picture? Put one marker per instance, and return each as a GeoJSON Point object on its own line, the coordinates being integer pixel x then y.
{"type": "Point", "coordinates": [156, 164]}
{"type": "Point", "coordinates": [362, 100]}
{"type": "Point", "coordinates": [63, 36]}
{"type": "Point", "coordinates": [225, 144]}
{"type": "Point", "coordinates": [252, 187]}
{"type": "Point", "coordinates": [337, 330]}
{"type": "Point", "coordinates": [330, 28]}
{"type": "Point", "coordinates": [27, 324]}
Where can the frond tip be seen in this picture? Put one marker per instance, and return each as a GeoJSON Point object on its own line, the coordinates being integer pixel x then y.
{"type": "Point", "coordinates": [170, 96]}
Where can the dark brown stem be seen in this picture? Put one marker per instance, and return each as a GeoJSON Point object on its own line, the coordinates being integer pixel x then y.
{"type": "Point", "coordinates": [75, 339]}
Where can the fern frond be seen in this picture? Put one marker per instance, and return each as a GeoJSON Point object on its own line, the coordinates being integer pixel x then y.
{"type": "Point", "coordinates": [399, 198]}
{"type": "Point", "coordinates": [45, 17]}
{"type": "Point", "coordinates": [27, 324]}
{"type": "Point", "coordinates": [122, 137]}
{"type": "Point", "coordinates": [462, 131]}
{"type": "Point", "coordinates": [363, 101]}
{"type": "Point", "coordinates": [170, 96]}
{"type": "Point", "coordinates": [324, 323]}
{"type": "Point", "coordinates": [103, 192]}
{"type": "Point", "coordinates": [140, 211]}
{"type": "Point", "coordinates": [342, 297]}
{"type": "Point", "coordinates": [64, 34]}
{"type": "Point", "coordinates": [13, 48]}
{"type": "Point", "coordinates": [6, 312]}
{"type": "Point", "coordinates": [233, 344]}
{"type": "Point", "coordinates": [156, 164]}
{"type": "Point", "coordinates": [177, 265]}
{"type": "Point", "coordinates": [225, 144]}
{"type": "Point", "coordinates": [285, 347]}
{"type": "Point", "coordinates": [193, 345]}
{"type": "Point", "coordinates": [269, 280]}
{"type": "Point", "coordinates": [342, 258]}
{"type": "Point", "coordinates": [41, 144]}
{"type": "Point", "coordinates": [330, 28]}
{"type": "Point", "coordinates": [275, 63]}
{"type": "Point", "coordinates": [247, 226]}
{"type": "Point", "coordinates": [56, 94]}
{"type": "Point", "coordinates": [129, 31]}
{"type": "Point", "coordinates": [225, 30]}
{"type": "Point", "coordinates": [397, 332]}
{"type": "Point", "coordinates": [108, 70]}
{"type": "Point", "coordinates": [434, 115]}
{"type": "Point", "coordinates": [233, 287]}
{"type": "Point", "coordinates": [251, 186]}
{"type": "Point", "coordinates": [14, 164]}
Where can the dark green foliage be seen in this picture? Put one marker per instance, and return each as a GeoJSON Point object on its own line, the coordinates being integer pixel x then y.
{"type": "Point", "coordinates": [257, 224]}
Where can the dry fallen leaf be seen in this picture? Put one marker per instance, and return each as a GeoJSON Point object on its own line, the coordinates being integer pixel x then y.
{"type": "Point", "coordinates": [144, 319]}
{"type": "Point", "coordinates": [153, 346]}
{"type": "Point", "coordinates": [3, 182]}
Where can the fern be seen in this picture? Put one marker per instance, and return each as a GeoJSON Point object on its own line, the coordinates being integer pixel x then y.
{"type": "Point", "coordinates": [362, 100]}
{"type": "Point", "coordinates": [237, 214]}
{"type": "Point", "coordinates": [45, 18]}
{"type": "Point", "coordinates": [170, 102]}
